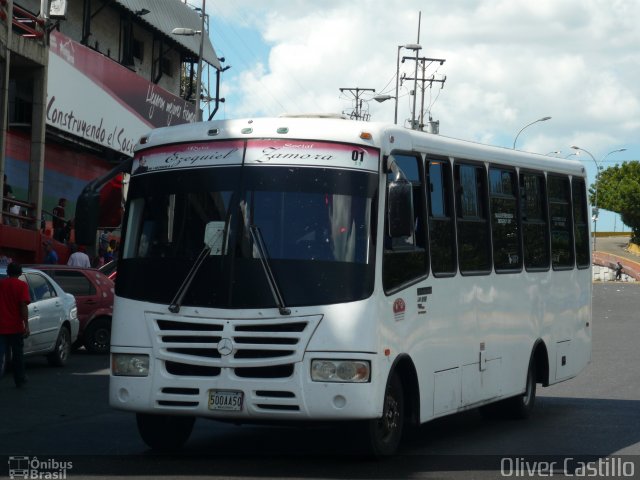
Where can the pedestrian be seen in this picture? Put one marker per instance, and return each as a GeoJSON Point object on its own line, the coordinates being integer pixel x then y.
{"type": "Point", "coordinates": [68, 228]}
{"type": "Point", "coordinates": [59, 220]}
{"type": "Point", "coordinates": [79, 258]}
{"type": "Point", "coordinates": [7, 192]}
{"type": "Point", "coordinates": [4, 259]}
{"type": "Point", "coordinates": [14, 321]}
{"type": "Point", "coordinates": [103, 243]}
{"type": "Point", "coordinates": [15, 209]}
{"type": "Point", "coordinates": [619, 268]}
{"type": "Point", "coordinates": [51, 256]}
{"type": "Point", "coordinates": [112, 251]}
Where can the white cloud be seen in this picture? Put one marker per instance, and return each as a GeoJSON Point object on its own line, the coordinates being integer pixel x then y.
{"type": "Point", "coordinates": [508, 62]}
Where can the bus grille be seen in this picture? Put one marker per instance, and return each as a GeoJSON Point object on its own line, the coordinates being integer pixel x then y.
{"type": "Point", "coordinates": [265, 348]}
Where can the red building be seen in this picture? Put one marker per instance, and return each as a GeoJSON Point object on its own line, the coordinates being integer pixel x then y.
{"type": "Point", "coordinates": [81, 84]}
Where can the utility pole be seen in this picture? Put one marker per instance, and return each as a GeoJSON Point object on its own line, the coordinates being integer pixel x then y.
{"type": "Point", "coordinates": [356, 92]}
{"type": "Point", "coordinates": [424, 80]}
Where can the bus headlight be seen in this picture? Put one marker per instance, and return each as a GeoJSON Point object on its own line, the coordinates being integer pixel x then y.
{"type": "Point", "coordinates": [356, 371]}
{"type": "Point", "coordinates": [130, 364]}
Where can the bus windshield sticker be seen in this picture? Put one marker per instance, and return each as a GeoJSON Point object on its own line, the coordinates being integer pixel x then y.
{"type": "Point", "coordinates": [307, 152]}
{"type": "Point", "coordinates": [213, 236]}
{"type": "Point", "coordinates": [188, 156]}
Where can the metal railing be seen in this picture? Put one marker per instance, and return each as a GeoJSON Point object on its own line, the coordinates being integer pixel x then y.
{"type": "Point", "coordinates": [25, 23]}
{"type": "Point", "coordinates": [24, 219]}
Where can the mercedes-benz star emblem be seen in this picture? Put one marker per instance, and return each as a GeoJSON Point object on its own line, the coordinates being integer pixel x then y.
{"type": "Point", "coordinates": [225, 346]}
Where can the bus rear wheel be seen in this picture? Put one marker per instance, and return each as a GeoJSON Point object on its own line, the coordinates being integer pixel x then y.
{"type": "Point", "coordinates": [521, 406]}
{"type": "Point", "coordinates": [518, 407]}
{"type": "Point", "coordinates": [164, 433]}
{"type": "Point", "coordinates": [384, 434]}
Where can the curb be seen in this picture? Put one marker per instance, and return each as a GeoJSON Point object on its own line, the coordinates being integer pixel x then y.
{"type": "Point", "coordinates": [609, 260]}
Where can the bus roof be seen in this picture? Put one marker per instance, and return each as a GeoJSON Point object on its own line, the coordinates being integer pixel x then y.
{"type": "Point", "coordinates": [332, 128]}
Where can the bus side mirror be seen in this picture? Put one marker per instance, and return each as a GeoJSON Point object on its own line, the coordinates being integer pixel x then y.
{"type": "Point", "coordinates": [400, 208]}
{"type": "Point", "coordinates": [88, 205]}
{"type": "Point", "coordinates": [87, 214]}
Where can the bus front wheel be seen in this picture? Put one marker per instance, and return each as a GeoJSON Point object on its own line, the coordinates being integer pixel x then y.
{"type": "Point", "coordinates": [384, 434]}
{"type": "Point", "coordinates": [164, 433]}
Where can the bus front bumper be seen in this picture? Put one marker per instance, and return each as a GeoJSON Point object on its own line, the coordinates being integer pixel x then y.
{"type": "Point", "coordinates": [227, 396]}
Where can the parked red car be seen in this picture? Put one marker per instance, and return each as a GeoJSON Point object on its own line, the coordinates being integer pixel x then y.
{"type": "Point", "coordinates": [93, 291]}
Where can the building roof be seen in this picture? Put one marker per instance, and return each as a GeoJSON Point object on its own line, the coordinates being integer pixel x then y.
{"type": "Point", "coordinates": [165, 15]}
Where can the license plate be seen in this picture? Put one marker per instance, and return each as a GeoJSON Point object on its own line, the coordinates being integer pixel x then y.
{"type": "Point", "coordinates": [227, 400]}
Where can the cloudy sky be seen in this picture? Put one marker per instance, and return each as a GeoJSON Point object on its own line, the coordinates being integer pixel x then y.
{"type": "Point", "coordinates": [508, 63]}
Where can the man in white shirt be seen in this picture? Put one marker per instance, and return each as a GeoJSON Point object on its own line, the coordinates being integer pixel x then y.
{"type": "Point", "coordinates": [79, 258]}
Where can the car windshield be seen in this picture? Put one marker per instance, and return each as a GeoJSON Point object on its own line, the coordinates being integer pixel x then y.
{"type": "Point", "coordinates": [317, 225]}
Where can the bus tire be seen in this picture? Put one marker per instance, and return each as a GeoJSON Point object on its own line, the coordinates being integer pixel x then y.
{"type": "Point", "coordinates": [384, 434]}
{"type": "Point", "coordinates": [518, 407]}
{"type": "Point", "coordinates": [521, 406]}
{"type": "Point", "coordinates": [164, 433]}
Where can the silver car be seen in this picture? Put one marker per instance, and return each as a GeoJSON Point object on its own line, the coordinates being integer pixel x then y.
{"type": "Point", "coordinates": [53, 317]}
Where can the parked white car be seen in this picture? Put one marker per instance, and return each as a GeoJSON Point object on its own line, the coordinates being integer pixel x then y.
{"type": "Point", "coordinates": [53, 317]}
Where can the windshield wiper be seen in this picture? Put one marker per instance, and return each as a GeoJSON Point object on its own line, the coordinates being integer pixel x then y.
{"type": "Point", "coordinates": [176, 303]}
{"type": "Point", "coordinates": [256, 236]}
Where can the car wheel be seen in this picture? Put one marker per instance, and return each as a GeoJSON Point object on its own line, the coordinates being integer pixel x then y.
{"type": "Point", "coordinates": [75, 346]}
{"type": "Point", "coordinates": [164, 433]}
{"type": "Point", "coordinates": [97, 336]}
{"type": "Point", "coordinates": [384, 434]}
{"type": "Point", "coordinates": [60, 354]}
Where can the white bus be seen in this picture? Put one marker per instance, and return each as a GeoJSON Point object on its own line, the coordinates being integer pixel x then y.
{"type": "Point", "coordinates": [296, 269]}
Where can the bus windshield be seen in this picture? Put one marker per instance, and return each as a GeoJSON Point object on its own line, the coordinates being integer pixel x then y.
{"type": "Point", "coordinates": [317, 224]}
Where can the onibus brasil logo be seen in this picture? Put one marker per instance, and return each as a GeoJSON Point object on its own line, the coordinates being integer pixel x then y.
{"type": "Point", "coordinates": [34, 468]}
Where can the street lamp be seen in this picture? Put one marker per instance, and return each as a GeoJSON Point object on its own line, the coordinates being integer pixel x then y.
{"type": "Point", "coordinates": [383, 98]}
{"type": "Point", "coordinates": [613, 151]}
{"type": "Point", "coordinates": [543, 119]}
{"type": "Point", "coordinates": [409, 46]}
{"type": "Point", "coordinates": [595, 199]}
{"type": "Point", "coordinates": [190, 32]}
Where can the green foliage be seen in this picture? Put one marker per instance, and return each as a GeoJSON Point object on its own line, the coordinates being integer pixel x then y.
{"type": "Point", "coordinates": [619, 191]}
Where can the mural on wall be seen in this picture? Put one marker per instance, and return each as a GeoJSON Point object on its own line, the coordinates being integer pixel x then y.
{"type": "Point", "coordinates": [95, 98]}
{"type": "Point", "coordinates": [108, 104]}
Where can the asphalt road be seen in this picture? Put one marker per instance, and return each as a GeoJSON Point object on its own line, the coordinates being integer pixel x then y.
{"type": "Point", "coordinates": [63, 415]}
{"type": "Point", "coordinates": [617, 246]}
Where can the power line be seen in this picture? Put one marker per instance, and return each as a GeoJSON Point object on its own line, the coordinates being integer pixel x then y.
{"type": "Point", "coordinates": [424, 80]}
{"type": "Point", "coordinates": [357, 112]}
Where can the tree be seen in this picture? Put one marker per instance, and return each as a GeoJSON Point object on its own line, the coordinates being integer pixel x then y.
{"type": "Point", "coordinates": [619, 191]}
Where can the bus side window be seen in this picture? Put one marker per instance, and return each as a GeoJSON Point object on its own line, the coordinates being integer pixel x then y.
{"type": "Point", "coordinates": [535, 226]}
{"type": "Point", "coordinates": [442, 237]}
{"type": "Point", "coordinates": [505, 225]}
{"type": "Point", "coordinates": [559, 192]}
{"type": "Point", "coordinates": [581, 227]}
{"type": "Point", "coordinates": [405, 258]}
{"type": "Point", "coordinates": [474, 242]}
